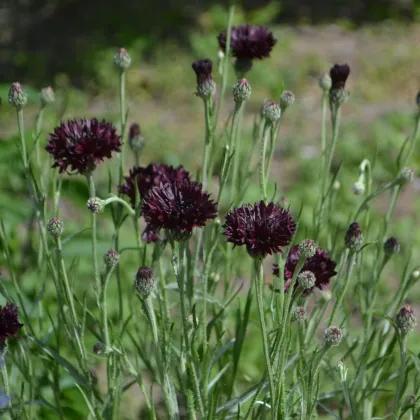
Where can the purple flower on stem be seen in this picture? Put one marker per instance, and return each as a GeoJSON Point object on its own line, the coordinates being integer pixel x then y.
{"type": "Point", "coordinates": [9, 322]}
{"type": "Point", "coordinates": [262, 228]}
{"type": "Point", "coordinates": [82, 144]}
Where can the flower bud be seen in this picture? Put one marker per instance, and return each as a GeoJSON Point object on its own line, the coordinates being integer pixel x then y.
{"type": "Point", "coordinates": [122, 60]}
{"type": "Point", "coordinates": [407, 176]}
{"type": "Point", "coordinates": [17, 96]}
{"type": "Point", "coordinates": [415, 274]}
{"type": "Point", "coordinates": [145, 282]}
{"type": "Point", "coordinates": [325, 82]}
{"type": "Point", "coordinates": [206, 87]}
{"type": "Point", "coordinates": [299, 314]}
{"type": "Point", "coordinates": [95, 205]}
{"type": "Point", "coordinates": [306, 280]}
{"type": "Point", "coordinates": [272, 111]}
{"type": "Point", "coordinates": [55, 227]}
{"type": "Point", "coordinates": [287, 98]}
{"type": "Point", "coordinates": [354, 238]}
{"type": "Point", "coordinates": [337, 185]}
{"type": "Point", "coordinates": [307, 248]}
{"type": "Point", "coordinates": [333, 336]}
{"type": "Point", "coordinates": [241, 90]}
{"type": "Point", "coordinates": [47, 96]}
{"type": "Point", "coordinates": [101, 348]}
{"type": "Point", "coordinates": [391, 246]}
{"type": "Point", "coordinates": [359, 188]}
{"type": "Point", "coordinates": [342, 371]}
{"type": "Point", "coordinates": [405, 319]}
{"type": "Point", "coordinates": [339, 74]}
{"type": "Point", "coordinates": [135, 138]}
{"type": "Point", "coordinates": [111, 258]}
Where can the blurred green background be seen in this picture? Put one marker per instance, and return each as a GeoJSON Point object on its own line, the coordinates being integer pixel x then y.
{"type": "Point", "coordinates": [70, 44]}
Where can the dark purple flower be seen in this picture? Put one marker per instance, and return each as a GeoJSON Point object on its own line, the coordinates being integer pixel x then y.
{"type": "Point", "coordinates": [203, 70]}
{"type": "Point", "coordinates": [178, 206]}
{"type": "Point", "coordinates": [248, 42]}
{"type": "Point", "coordinates": [151, 176]}
{"type": "Point", "coordinates": [320, 264]}
{"type": "Point", "coordinates": [9, 322]}
{"type": "Point", "coordinates": [262, 228]}
{"type": "Point", "coordinates": [82, 144]}
{"type": "Point", "coordinates": [339, 74]}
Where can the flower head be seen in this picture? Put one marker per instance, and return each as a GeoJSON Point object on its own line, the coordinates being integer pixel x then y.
{"type": "Point", "coordinates": [55, 227]}
{"type": "Point", "coordinates": [339, 74]}
{"type": "Point", "coordinates": [17, 96]}
{"type": "Point", "coordinates": [306, 280]}
{"type": "Point", "coordinates": [299, 314]}
{"type": "Point", "coordinates": [272, 111]}
{"type": "Point", "coordinates": [391, 246]}
{"type": "Point", "coordinates": [111, 258]}
{"type": "Point", "coordinates": [405, 319]}
{"type": "Point", "coordinates": [241, 90]}
{"type": "Point", "coordinates": [122, 60]}
{"type": "Point", "coordinates": [205, 83]}
{"type": "Point", "coordinates": [333, 336]}
{"type": "Point", "coordinates": [82, 144]}
{"type": "Point", "coordinates": [179, 207]}
{"type": "Point", "coordinates": [320, 265]}
{"type": "Point", "coordinates": [145, 178]}
{"type": "Point", "coordinates": [47, 96]}
{"type": "Point", "coordinates": [262, 228]}
{"type": "Point", "coordinates": [9, 322]}
{"type": "Point", "coordinates": [145, 282]}
{"type": "Point", "coordinates": [354, 238]}
{"type": "Point", "coordinates": [135, 138]}
{"type": "Point", "coordinates": [287, 98]}
{"type": "Point", "coordinates": [248, 42]}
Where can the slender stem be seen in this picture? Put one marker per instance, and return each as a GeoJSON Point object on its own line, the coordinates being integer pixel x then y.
{"type": "Point", "coordinates": [259, 288]}
{"type": "Point", "coordinates": [104, 306]}
{"type": "Point", "coordinates": [38, 128]}
{"type": "Point", "coordinates": [412, 141]}
{"type": "Point", "coordinates": [123, 122]}
{"type": "Point", "coordinates": [92, 194]}
{"type": "Point", "coordinates": [401, 378]}
{"type": "Point", "coordinates": [350, 263]}
{"type": "Point", "coordinates": [273, 136]}
{"type": "Point", "coordinates": [323, 128]}
{"type": "Point", "coordinates": [121, 201]}
{"type": "Point", "coordinates": [208, 143]}
{"type": "Point", "coordinates": [62, 268]}
{"type": "Point", "coordinates": [22, 138]}
{"type": "Point", "coordinates": [225, 64]}
{"type": "Point", "coordinates": [263, 180]}
{"type": "Point", "coordinates": [236, 146]}
{"type": "Point", "coordinates": [5, 375]}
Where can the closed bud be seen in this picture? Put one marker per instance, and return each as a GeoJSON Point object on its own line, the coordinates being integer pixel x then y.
{"type": "Point", "coordinates": [101, 348]}
{"type": "Point", "coordinates": [325, 82]}
{"type": "Point", "coordinates": [354, 237]}
{"type": "Point", "coordinates": [272, 111]}
{"type": "Point", "coordinates": [111, 258]}
{"type": "Point", "coordinates": [306, 280]}
{"type": "Point", "coordinates": [17, 96]}
{"type": "Point", "coordinates": [206, 87]}
{"type": "Point", "coordinates": [359, 188]}
{"type": "Point", "coordinates": [333, 336]}
{"type": "Point", "coordinates": [307, 248]}
{"type": "Point", "coordinates": [406, 176]}
{"type": "Point", "coordinates": [415, 274]}
{"type": "Point", "coordinates": [95, 205]}
{"type": "Point", "coordinates": [405, 319]}
{"type": "Point", "coordinates": [299, 314]}
{"type": "Point", "coordinates": [342, 371]}
{"type": "Point", "coordinates": [391, 246]}
{"type": "Point", "coordinates": [145, 282]}
{"type": "Point", "coordinates": [122, 60]}
{"type": "Point", "coordinates": [287, 98]}
{"type": "Point", "coordinates": [241, 90]}
{"type": "Point", "coordinates": [47, 96]}
{"type": "Point", "coordinates": [135, 138]}
{"type": "Point", "coordinates": [55, 227]}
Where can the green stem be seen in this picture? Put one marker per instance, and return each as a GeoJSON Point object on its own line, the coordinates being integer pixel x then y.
{"type": "Point", "coordinates": [5, 375]}
{"type": "Point", "coordinates": [38, 128]}
{"type": "Point", "coordinates": [181, 288]}
{"type": "Point", "coordinates": [121, 201]}
{"type": "Point", "coordinates": [401, 378]}
{"type": "Point", "coordinates": [123, 122]}
{"type": "Point", "coordinates": [235, 145]}
{"type": "Point", "coordinates": [259, 290]}
{"type": "Point", "coordinates": [350, 263]}
{"type": "Point", "coordinates": [273, 136]}
{"type": "Point", "coordinates": [208, 111]}
{"type": "Point", "coordinates": [104, 306]}
{"type": "Point", "coordinates": [62, 268]}
{"type": "Point", "coordinates": [263, 180]}
{"type": "Point", "coordinates": [412, 142]}
{"type": "Point", "coordinates": [92, 194]}
{"type": "Point", "coordinates": [22, 138]}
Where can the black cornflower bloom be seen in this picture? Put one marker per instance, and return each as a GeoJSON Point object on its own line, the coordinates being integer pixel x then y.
{"type": "Point", "coordinates": [178, 207]}
{"type": "Point", "coordinates": [145, 178]}
{"type": "Point", "coordinates": [262, 228]}
{"type": "Point", "coordinates": [9, 322]}
{"type": "Point", "coordinates": [82, 144]}
{"type": "Point", "coordinates": [339, 74]}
